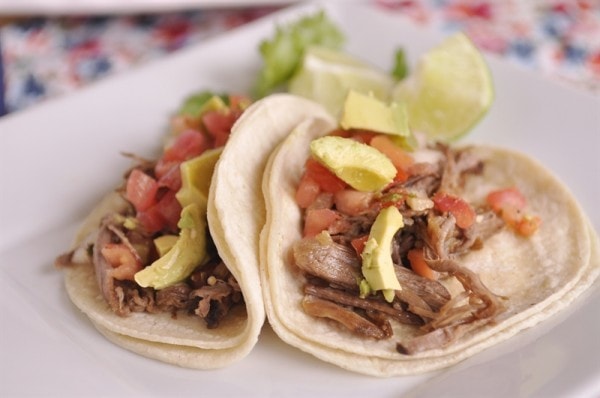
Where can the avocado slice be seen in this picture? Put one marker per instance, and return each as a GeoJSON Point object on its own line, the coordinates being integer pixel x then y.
{"type": "Point", "coordinates": [377, 264]}
{"type": "Point", "coordinates": [196, 175]}
{"type": "Point", "coordinates": [186, 254]}
{"type": "Point", "coordinates": [367, 112]}
{"type": "Point", "coordinates": [361, 166]}
{"type": "Point", "coordinates": [164, 243]}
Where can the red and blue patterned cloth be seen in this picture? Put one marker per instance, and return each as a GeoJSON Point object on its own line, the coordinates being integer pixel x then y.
{"type": "Point", "coordinates": [48, 57]}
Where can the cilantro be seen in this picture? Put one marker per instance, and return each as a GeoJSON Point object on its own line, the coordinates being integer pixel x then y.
{"type": "Point", "coordinates": [283, 53]}
{"type": "Point", "coordinates": [400, 70]}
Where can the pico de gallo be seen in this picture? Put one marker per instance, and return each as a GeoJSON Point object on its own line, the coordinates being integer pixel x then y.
{"type": "Point", "coordinates": [129, 242]}
{"type": "Point", "coordinates": [439, 226]}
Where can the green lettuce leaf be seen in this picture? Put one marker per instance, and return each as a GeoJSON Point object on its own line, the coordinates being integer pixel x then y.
{"type": "Point", "coordinates": [283, 53]}
{"type": "Point", "coordinates": [400, 70]}
{"type": "Point", "coordinates": [194, 103]}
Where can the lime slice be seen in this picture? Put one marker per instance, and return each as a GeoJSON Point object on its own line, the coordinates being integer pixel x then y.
{"type": "Point", "coordinates": [326, 76]}
{"type": "Point", "coordinates": [450, 91]}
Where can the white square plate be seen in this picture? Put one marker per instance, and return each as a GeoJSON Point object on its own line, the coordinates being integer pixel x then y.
{"type": "Point", "coordinates": [58, 158]}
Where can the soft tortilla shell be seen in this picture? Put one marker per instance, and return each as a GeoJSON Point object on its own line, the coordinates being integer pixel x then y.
{"type": "Point", "coordinates": [236, 211]}
{"type": "Point", "coordinates": [184, 356]}
{"type": "Point", "coordinates": [184, 341]}
{"type": "Point", "coordinates": [235, 227]}
{"type": "Point", "coordinates": [190, 331]}
{"type": "Point", "coordinates": [540, 275]}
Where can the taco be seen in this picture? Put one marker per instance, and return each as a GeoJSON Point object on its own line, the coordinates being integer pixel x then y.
{"type": "Point", "coordinates": [387, 261]}
{"type": "Point", "coordinates": [152, 270]}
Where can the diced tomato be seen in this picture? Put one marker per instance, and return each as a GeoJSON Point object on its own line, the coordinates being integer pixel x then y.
{"type": "Point", "coordinates": [419, 265]}
{"type": "Point", "coordinates": [509, 203]}
{"type": "Point", "coordinates": [170, 210]}
{"type": "Point", "coordinates": [151, 219]}
{"type": "Point", "coordinates": [218, 124]}
{"type": "Point", "coordinates": [163, 167]}
{"type": "Point", "coordinates": [399, 157]}
{"type": "Point", "coordinates": [187, 145]}
{"type": "Point", "coordinates": [318, 220]}
{"type": "Point", "coordinates": [340, 133]}
{"type": "Point", "coordinates": [307, 192]}
{"type": "Point", "coordinates": [121, 258]}
{"type": "Point", "coordinates": [528, 225]}
{"type": "Point", "coordinates": [506, 198]}
{"type": "Point", "coordinates": [172, 178]}
{"type": "Point", "coordinates": [458, 207]}
{"type": "Point", "coordinates": [141, 190]}
{"type": "Point", "coordinates": [327, 181]}
{"type": "Point", "coordinates": [359, 244]}
{"type": "Point", "coordinates": [351, 202]}
{"type": "Point", "coordinates": [164, 215]}
{"type": "Point", "coordinates": [363, 136]}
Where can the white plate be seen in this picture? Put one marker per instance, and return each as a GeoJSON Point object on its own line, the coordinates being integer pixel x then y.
{"type": "Point", "coordinates": [73, 7]}
{"type": "Point", "coordinates": [58, 158]}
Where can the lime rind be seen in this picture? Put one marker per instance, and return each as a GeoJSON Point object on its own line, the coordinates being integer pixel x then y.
{"type": "Point", "coordinates": [326, 76]}
{"type": "Point", "coordinates": [450, 91]}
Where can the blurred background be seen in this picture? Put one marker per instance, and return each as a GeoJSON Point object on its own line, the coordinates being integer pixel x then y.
{"type": "Point", "coordinates": [50, 48]}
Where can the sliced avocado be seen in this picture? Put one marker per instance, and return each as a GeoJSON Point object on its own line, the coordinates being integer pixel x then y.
{"type": "Point", "coordinates": [196, 175]}
{"type": "Point", "coordinates": [361, 166]}
{"type": "Point", "coordinates": [367, 112]}
{"type": "Point", "coordinates": [164, 243]}
{"type": "Point", "coordinates": [188, 252]}
{"type": "Point", "coordinates": [215, 103]}
{"type": "Point", "coordinates": [377, 265]}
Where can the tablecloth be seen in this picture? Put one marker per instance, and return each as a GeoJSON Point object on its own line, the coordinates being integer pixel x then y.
{"type": "Point", "coordinates": [45, 57]}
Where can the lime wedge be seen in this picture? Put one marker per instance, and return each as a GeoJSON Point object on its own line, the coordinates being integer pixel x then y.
{"type": "Point", "coordinates": [326, 76]}
{"type": "Point", "coordinates": [449, 92]}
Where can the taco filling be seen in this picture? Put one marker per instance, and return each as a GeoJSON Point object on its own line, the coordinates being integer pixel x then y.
{"type": "Point", "coordinates": [384, 232]}
{"type": "Point", "coordinates": [152, 251]}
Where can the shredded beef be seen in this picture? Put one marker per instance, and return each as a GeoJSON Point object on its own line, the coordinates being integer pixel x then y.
{"type": "Point", "coordinates": [214, 302]}
{"type": "Point", "coordinates": [459, 163]}
{"type": "Point", "coordinates": [335, 263]}
{"type": "Point", "coordinates": [346, 228]}
{"type": "Point", "coordinates": [381, 320]}
{"type": "Point", "coordinates": [106, 282]}
{"type": "Point", "coordinates": [486, 224]}
{"type": "Point", "coordinates": [209, 292]}
{"type": "Point", "coordinates": [136, 299]}
{"type": "Point", "coordinates": [350, 319]}
{"type": "Point", "coordinates": [432, 292]}
{"type": "Point", "coordinates": [332, 266]}
{"type": "Point", "coordinates": [173, 298]}
{"type": "Point", "coordinates": [372, 304]}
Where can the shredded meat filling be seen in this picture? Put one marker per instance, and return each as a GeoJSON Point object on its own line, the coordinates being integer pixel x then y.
{"type": "Point", "coordinates": [372, 304]}
{"type": "Point", "coordinates": [214, 302]}
{"type": "Point", "coordinates": [332, 266]}
{"type": "Point", "coordinates": [350, 319]}
{"type": "Point", "coordinates": [209, 292]}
